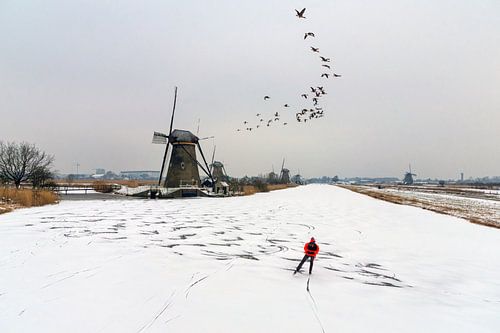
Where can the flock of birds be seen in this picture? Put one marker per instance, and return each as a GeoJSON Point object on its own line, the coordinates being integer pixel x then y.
{"type": "Point", "coordinates": [314, 95]}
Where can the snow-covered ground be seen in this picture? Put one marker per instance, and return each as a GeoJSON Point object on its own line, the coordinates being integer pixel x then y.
{"type": "Point", "coordinates": [486, 209]}
{"type": "Point", "coordinates": [225, 265]}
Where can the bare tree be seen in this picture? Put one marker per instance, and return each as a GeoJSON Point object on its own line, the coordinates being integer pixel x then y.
{"type": "Point", "coordinates": [22, 162]}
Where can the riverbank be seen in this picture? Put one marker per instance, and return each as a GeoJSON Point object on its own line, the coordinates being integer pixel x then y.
{"type": "Point", "coordinates": [477, 206]}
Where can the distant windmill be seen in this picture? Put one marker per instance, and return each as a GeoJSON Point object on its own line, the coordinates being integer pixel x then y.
{"type": "Point", "coordinates": [408, 179]}
{"type": "Point", "coordinates": [284, 174]}
{"type": "Point", "coordinates": [183, 165]}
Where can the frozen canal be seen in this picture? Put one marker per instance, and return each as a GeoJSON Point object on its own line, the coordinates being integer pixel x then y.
{"type": "Point", "coordinates": [225, 265]}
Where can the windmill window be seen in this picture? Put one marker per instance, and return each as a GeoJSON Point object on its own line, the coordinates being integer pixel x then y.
{"type": "Point", "coordinates": [183, 166]}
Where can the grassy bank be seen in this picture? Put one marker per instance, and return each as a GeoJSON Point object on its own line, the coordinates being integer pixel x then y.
{"type": "Point", "coordinates": [252, 189]}
{"type": "Point", "coordinates": [11, 198]}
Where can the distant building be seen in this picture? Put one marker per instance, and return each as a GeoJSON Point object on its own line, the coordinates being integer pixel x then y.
{"type": "Point", "coordinates": [140, 174]}
{"type": "Point", "coordinates": [100, 171]}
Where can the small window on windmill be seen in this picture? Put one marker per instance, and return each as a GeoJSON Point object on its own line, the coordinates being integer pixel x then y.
{"type": "Point", "coordinates": [183, 166]}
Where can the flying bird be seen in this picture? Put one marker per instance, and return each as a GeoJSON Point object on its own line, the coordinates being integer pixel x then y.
{"type": "Point", "coordinates": [336, 75]}
{"type": "Point", "coordinates": [286, 105]}
{"type": "Point", "coordinates": [261, 120]}
{"type": "Point", "coordinates": [327, 66]}
{"type": "Point", "coordinates": [325, 75]}
{"type": "Point", "coordinates": [313, 90]}
{"type": "Point", "coordinates": [304, 95]}
{"type": "Point", "coordinates": [266, 97]}
{"type": "Point", "coordinates": [245, 122]}
{"type": "Point", "coordinates": [276, 114]}
{"type": "Point", "coordinates": [285, 123]}
{"type": "Point", "coordinates": [325, 59]}
{"type": "Point", "coordinates": [258, 114]}
{"type": "Point", "coordinates": [301, 13]}
{"type": "Point", "coordinates": [315, 49]}
{"type": "Point", "coordinates": [308, 34]}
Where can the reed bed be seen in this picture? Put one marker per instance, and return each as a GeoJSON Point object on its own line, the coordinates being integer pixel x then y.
{"type": "Point", "coordinates": [11, 198]}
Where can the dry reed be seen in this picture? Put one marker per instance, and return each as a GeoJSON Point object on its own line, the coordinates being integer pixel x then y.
{"type": "Point", "coordinates": [27, 197]}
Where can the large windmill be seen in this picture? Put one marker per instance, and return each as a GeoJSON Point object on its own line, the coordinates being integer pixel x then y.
{"type": "Point", "coordinates": [408, 179]}
{"type": "Point", "coordinates": [182, 170]}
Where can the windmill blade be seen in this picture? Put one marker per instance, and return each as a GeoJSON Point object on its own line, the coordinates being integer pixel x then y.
{"type": "Point", "coordinates": [209, 173]}
{"type": "Point", "coordinates": [224, 169]}
{"type": "Point", "coordinates": [160, 138]}
{"type": "Point", "coordinates": [213, 156]}
{"type": "Point", "coordinates": [173, 112]}
{"type": "Point", "coordinates": [208, 137]}
{"type": "Point", "coordinates": [169, 134]}
{"type": "Point", "coordinates": [282, 166]}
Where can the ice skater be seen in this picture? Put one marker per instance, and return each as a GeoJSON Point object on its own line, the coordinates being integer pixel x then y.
{"type": "Point", "coordinates": [311, 249]}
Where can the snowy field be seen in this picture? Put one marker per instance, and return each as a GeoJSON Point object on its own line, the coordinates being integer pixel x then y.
{"type": "Point", "coordinates": [225, 265]}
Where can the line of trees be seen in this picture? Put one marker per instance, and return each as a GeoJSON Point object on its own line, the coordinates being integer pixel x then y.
{"type": "Point", "coordinates": [24, 162]}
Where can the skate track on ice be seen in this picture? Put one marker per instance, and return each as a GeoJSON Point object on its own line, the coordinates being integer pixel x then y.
{"type": "Point", "coordinates": [224, 265]}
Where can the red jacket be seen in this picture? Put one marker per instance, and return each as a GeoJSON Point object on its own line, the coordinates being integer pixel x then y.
{"type": "Point", "coordinates": [311, 249]}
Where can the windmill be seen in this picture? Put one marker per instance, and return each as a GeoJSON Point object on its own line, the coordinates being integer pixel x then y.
{"type": "Point", "coordinates": [183, 166]}
{"type": "Point", "coordinates": [284, 174]}
{"type": "Point", "coordinates": [218, 170]}
{"type": "Point", "coordinates": [272, 177]}
{"type": "Point", "coordinates": [408, 179]}
{"type": "Point", "coordinates": [220, 180]}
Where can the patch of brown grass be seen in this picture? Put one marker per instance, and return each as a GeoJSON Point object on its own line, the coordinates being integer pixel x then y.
{"type": "Point", "coordinates": [275, 187]}
{"type": "Point", "coordinates": [27, 197]}
{"type": "Point", "coordinates": [252, 189]}
{"type": "Point", "coordinates": [249, 189]}
{"type": "Point", "coordinates": [102, 187]}
{"type": "Point", "coordinates": [4, 208]}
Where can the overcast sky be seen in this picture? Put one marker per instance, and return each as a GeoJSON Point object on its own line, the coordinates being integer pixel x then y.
{"type": "Point", "coordinates": [89, 82]}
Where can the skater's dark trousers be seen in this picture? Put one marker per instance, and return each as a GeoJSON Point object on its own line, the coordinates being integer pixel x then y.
{"type": "Point", "coordinates": [303, 261]}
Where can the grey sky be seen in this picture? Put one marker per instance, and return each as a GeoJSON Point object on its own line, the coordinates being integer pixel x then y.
{"type": "Point", "coordinates": [89, 81]}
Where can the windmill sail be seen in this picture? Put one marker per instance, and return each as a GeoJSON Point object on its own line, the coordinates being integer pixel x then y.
{"type": "Point", "coordinates": [160, 138]}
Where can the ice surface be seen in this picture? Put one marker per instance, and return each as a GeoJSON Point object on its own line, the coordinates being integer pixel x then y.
{"type": "Point", "coordinates": [225, 265]}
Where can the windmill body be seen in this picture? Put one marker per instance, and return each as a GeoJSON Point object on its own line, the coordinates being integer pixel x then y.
{"type": "Point", "coordinates": [218, 171]}
{"type": "Point", "coordinates": [183, 167]}
{"type": "Point", "coordinates": [285, 176]}
{"type": "Point", "coordinates": [408, 178]}
{"type": "Point", "coordinates": [220, 177]}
